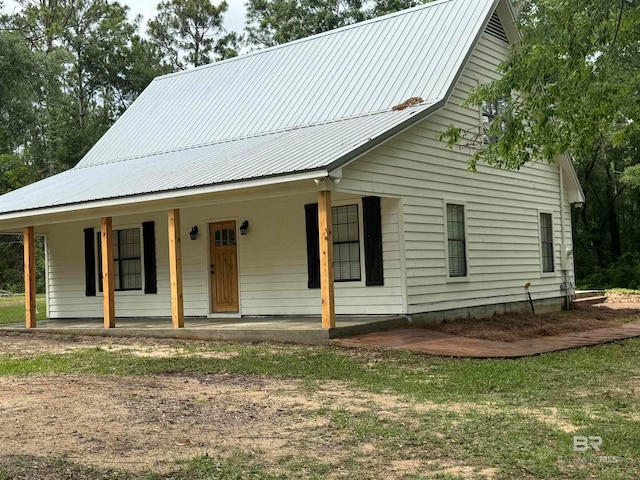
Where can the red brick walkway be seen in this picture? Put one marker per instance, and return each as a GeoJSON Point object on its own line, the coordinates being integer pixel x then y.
{"type": "Point", "coordinates": [442, 344]}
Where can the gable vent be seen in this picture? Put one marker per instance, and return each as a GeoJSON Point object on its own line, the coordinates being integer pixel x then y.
{"type": "Point", "coordinates": [495, 29]}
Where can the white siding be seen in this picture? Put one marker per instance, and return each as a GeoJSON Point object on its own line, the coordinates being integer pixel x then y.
{"type": "Point", "coordinates": [66, 275]}
{"type": "Point", "coordinates": [415, 174]}
{"type": "Point", "coordinates": [272, 262]}
{"type": "Point", "coordinates": [502, 206]}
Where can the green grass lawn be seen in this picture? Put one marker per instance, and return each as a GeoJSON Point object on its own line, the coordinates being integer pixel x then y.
{"type": "Point", "coordinates": [12, 309]}
{"type": "Point", "coordinates": [480, 412]}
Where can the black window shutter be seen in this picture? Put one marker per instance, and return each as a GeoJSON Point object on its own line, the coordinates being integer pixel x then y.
{"type": "Point", "coordinates": [89, 263]}
{"type": "Point", "coordinates": [149, 248]}
{"type": "Point", "coordinates": [313, 245]}
{"type": "Point", "coordinates": [372, 241]}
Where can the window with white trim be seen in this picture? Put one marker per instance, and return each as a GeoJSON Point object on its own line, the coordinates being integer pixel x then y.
{"type": "Point", "coordinates": [456, 241]}
{"type": "Point", "coordinates": [127, 260]}
{"type": "Point", "coordinates": [546, 242]}
{"type": "Point", "coordinates": [346, 243]}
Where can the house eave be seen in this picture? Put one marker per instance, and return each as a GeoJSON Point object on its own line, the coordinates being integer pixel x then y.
{"type": "Point", "coordinates": [575, 193]}
{"type": "Point", "coordinates": [142, 202]}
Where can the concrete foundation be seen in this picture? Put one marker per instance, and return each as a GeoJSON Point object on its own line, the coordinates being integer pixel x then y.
{"type": "Point", "coordinates": [281, 329]}
{"type": "Point", "coordinates": [298, 330]}
{"type": "Point", "coordinates": [546, 305]}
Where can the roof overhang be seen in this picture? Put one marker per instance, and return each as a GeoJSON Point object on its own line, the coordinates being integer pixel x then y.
{"type": "Point", "coordinates": [144, 203]}
{"type": "Point", "coordinates": [570, 178]}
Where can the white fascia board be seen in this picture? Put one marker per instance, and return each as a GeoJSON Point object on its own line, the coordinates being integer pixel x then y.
{"type": "Point", "coordinates": [576, 194]}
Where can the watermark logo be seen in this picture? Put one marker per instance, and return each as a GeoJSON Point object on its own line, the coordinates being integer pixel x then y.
{"type": "Point", "coordinates": [582, 443]}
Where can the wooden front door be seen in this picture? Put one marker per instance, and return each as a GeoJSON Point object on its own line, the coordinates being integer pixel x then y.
{"type": "Point", "coordinates": [224, 267]}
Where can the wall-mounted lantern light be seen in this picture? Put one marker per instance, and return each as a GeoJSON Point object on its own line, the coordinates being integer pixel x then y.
{"type": "Point", "coordinates": [194, 232]}
{"type": "Point", "coordinates": [244, 227]}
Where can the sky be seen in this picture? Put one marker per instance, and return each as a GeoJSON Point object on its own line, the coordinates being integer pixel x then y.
{"type": "Point", "coordinates": [233, 19]}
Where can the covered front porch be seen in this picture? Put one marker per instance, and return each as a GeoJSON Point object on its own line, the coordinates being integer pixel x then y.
{"type": "Point", "coordinates": [278, 273]}
{"type": "Point", "coordinates": [306, 330]}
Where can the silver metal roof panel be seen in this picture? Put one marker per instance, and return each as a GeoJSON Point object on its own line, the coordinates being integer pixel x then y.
{"type": "Point", "coordinates": [295, 150]}
{"type": "Point", "coordinates": [296, 107]}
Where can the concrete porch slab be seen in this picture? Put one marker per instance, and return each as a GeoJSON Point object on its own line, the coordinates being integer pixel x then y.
{"type": "Point", "coordinates": [300, 330]}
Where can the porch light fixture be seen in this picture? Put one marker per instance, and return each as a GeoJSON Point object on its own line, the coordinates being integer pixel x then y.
{"type": "Point", "coordinates": [194, 232]}
{"type": "Point", "coordinates": [244, 227]}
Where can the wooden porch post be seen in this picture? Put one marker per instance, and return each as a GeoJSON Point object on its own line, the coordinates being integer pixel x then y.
{"type": "Point", "coordinates": [326, 259]}
{"type": "Point", "coordinates": [109, 307]}
{"type": "Point", "coordinates": [175, 269]}
{"type": "Point", "coordinates": [30, 277]}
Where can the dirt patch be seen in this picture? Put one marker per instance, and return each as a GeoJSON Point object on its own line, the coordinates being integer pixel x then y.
{"type": "Point", "coordinates": [511, 327]}
{"type": "Point", "coordinates": [149, 423]}
{"type": "Point", "coordinates": [142, 423]}
{"type": "Point", "coordinates": [167, 351]}
{"type": "Point", "coordinates": [19, 345]}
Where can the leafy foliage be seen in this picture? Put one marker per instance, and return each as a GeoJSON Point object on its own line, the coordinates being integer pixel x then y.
{"type": "Point", "coordinates": [273, 22]}
{"type": "Point", "coordinates": [570, 87]}
{"type": "Point", "coordinates": [624, 271]}
{"type": "Point", "coordinates": [18, 90]}
{"type": "Point", "coordinates": [190, 32]}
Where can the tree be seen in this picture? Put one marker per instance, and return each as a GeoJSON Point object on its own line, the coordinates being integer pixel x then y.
{"type": "Point", "coordinates": [570, 86]}
{"type": "Point", "coordinates": [382, 7]}
{"type": "Point", "coordinates": [190, 32]}
{"type": "Point", "coordinates": [139, 64]}
{"type": "Point", "coordinates": [94, 67]}
{"type": "Point", "coordinates": [40, 22]}
{"type": "Point", "coordinates": [18, 90]}
{"type": "Point", "coordinates": [272, 22]}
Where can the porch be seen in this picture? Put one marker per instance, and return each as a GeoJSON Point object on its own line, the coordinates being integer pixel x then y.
{"type": "Point", "coordinates": [227, 256]}
{"type": "Point", "coordinates": [305, 330]}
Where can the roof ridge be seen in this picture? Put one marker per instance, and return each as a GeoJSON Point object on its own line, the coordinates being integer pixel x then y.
{"type": "Point", "coordinates": [305, 39]}
{"type": "Point", "coordinates": [256, 135]}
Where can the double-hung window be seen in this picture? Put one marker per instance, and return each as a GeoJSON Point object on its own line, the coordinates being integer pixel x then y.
{"type": "Point", "coordinates": [127, 259]}
{"type": "Point", "coordinates": [346, 243]}
{"type": "Point", "coordinates": [456, 241]}
{"type": "Point", "coordinates": [348, 229]}
{"type": "Point", "coordinates": [546, 242]}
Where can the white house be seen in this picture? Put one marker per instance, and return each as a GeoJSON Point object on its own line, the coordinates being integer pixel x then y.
{"type": "Point", "coordinates": [306, 179]}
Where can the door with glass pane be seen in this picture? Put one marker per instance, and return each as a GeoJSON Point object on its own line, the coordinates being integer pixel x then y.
{"type": "Point", "coordinates": [224, 267]}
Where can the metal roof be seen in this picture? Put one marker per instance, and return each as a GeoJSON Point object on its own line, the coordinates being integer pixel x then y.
{"type": "Point", "coordinates": [305, 105]}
